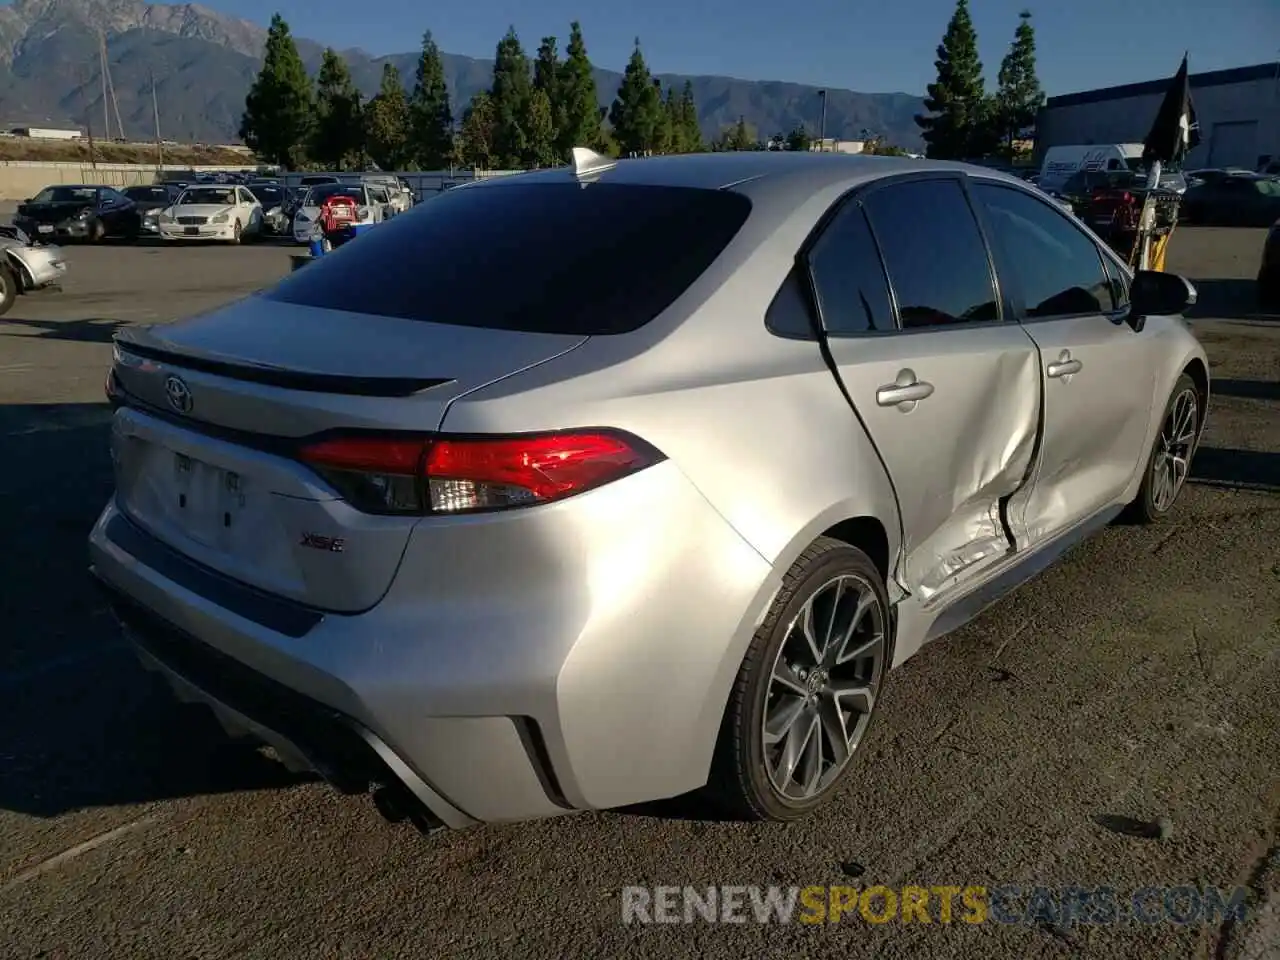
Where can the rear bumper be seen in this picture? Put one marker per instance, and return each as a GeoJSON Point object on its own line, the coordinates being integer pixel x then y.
{"type": "Point", "coordinates": [520, 682]}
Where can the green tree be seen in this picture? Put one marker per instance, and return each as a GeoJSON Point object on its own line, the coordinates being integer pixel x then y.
{"type": "Point", "coordinates": [1019, 97]}
{"type": "Point", "coordinates": [386, 120]}
{"type": "Point", "coordinates": [337, 140]}
{"type": "Point", "coordinates": [430, 118]}
{"type": "Point", "coordinates": [548, 73]}
{"type": "Point", "coordinates": [278, 111]}
{"type": "Point", "coordinates": [512, 93]}
{"type": "Point", "coordinates": [540, 129]}
{"type": "Point", "coordinates": [476, 140]}
{"type": "Point", "coordinates": [690, 133]}
{"type": "Point", "coordinates": [668, 136]}
{"type": "Point", "coordinates": [798, 139]}
{"type": "Point", "coordinates": [636, 114]}
{"type": "Point", "coordinates": [956, 100]}
{"type": "Point", "coordinates": [579, 98]}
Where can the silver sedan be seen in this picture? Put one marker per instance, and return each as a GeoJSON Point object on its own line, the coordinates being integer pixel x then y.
{"type": "Point", "coordinates": [605, 484]}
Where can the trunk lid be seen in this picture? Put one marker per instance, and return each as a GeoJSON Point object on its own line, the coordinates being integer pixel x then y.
{"type": "Point", "coordinates": [213, 409]}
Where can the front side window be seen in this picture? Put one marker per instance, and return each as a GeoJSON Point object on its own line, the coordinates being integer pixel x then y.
{"type": "Point", "coordinates": [1056, 267]}
{"type": "Point", "coordinates": [933, 252]}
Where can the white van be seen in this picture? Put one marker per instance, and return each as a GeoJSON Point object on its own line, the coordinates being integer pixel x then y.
{"type": "Point", "coordinates": [1061, 162]}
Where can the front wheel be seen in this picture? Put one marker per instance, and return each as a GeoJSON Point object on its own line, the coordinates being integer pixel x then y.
{"type": "Point", "coordinates": [1169, 462]}
{"type": "Point", "coordinates": [97, 231]}
{"type": "Point", "coordinates": [236, 233]}
{"type": "Point", "coordinates": [807, 688]}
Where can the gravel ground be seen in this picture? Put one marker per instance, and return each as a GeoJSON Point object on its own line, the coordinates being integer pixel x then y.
{"type": "Point", "coordinates": [1136, 680]}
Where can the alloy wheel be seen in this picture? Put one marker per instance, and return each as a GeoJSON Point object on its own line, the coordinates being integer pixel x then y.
{"type": "Point", "coordinates": [823, 686]}
{"type": "Point", "coordinates": [1172, 462]}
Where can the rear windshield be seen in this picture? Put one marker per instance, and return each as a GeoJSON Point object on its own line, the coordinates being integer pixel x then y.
{"type": "Point", "coordinates": [543, 258]}
{"type": "Point", "coordinates": [268, 195]}
{"type": "Point", "coordinates": [147, 194]}
{"type": "Point", "coordinates": [317, 195]}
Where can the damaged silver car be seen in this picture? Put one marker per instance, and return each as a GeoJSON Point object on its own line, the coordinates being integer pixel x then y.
{"type": "Point", "coordinates": [608, 483]}
{"type": "Point", "coordinates": [27, 266]}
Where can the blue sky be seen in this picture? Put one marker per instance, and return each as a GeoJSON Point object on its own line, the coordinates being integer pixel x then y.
{"type": "Point", "coordinates": [865, 45]}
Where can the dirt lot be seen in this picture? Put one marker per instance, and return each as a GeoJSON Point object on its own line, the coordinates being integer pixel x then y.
{"type": "Point", "coordinates": [1136, 680]}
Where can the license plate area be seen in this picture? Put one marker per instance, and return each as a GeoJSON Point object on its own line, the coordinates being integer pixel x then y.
{"type": "Point", "coordinates": [191, 231]}
{"type": "Point", "coordinates": [45, 228]}
{"type": "Point", "coordinates": [207, 502]}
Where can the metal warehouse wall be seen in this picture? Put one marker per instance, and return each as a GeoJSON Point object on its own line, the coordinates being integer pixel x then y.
{"type": "Point", "coordinates": [1238, 110]}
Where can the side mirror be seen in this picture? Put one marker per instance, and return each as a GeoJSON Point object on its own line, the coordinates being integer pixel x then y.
{"type": "Point", "coordinates": [1155, 294]}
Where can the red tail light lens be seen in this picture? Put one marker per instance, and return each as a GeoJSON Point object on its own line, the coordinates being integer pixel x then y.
{"type": "Point", "coordinates": [466, 474]}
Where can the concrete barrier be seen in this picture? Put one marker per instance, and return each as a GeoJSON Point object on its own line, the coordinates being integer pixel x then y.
{"type": "Point", "coordinates": [20, 179]}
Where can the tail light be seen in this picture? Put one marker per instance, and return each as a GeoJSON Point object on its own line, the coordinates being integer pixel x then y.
{"type": "Point", "coordinates": [450, 475]}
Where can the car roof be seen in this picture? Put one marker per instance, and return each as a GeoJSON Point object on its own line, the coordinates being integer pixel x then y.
{"type": "Point", "coordinates": [768, 172]}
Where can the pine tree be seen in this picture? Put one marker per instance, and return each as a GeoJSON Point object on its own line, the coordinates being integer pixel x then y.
{"type": "Point", "coordinates": [743, 137]}
{"type": "Point", "coordinates": [547, 75]}
{"type": "Point", "coordinates": [387, 122]}
{"type": "Point", "coordinates": [540, 130]}
{"type": "Point", "coordinates": [430, 118]}
{"type": "Point", "coordinates": [476, 140]}
{"type": "Point", "coordinates": [579, 98]}
{"type": "Point", "coordinates": [674, 139]}
{"type": "Point", "coordinates": [956, 101]}
{"type": "Point", "coordinates": [337, 140]}
{"type": "Point", "coordinates": [1019, 97]}
{"type": "Point", "coordinates": [690, 131]}
{"type": "Point", "coordinates": [278, 111]}
{"type": "Point", "coordinates": [636, 114]}
{"type": "Point", "coordinates": [511, 92]}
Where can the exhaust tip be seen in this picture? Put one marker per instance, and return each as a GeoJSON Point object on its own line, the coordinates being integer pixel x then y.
{"type": "Point", "coordinates": [396, 805]}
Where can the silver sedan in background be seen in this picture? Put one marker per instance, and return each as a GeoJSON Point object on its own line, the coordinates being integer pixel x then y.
{"type": "Point", "coordinates": [599, 485]}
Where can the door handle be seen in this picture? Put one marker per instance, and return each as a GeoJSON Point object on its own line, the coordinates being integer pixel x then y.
{"type": "Point", "coordinates": [906, 389]}
{"type": "Point", "coordinates": [1065, 366]}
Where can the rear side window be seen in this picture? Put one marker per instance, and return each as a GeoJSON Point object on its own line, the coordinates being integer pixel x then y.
{"type": "Point", "coordinates": [848, 279]}
{"type": "Point", "coordinates": [544, 258]}
{"type": "Point", "coordinates": [1057, 268]}
{"type": "Point", "coordinates": [934, 253]}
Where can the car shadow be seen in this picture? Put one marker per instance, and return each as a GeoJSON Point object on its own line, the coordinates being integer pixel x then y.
{"type": "Point", "coordinates": [82, 724]}
{"type": "Point", "coordinates": [1236, 469]}
{"type": "Point", "coordinates": [91, 330]}
{"type": "Point", "coordinates": [1228, 299]}
{"type": "Point", "coordinates": [1246, 389]}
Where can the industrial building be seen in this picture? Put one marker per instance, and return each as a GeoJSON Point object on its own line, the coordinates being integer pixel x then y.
{"type": "Point", "coordinates": [1238, 111]}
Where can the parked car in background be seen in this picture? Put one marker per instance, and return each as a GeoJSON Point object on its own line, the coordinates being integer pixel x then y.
{"type": "Point", "coordinates": [150, 200]}
{"type": "Point", "coordinates": [1240, 200]}
{"type": "Point", "coordinates": [273, 197]}
{"type": "Point", "coordinates": [505, 522]}
{"type": "Point", "coordinates": [1269, 271]}
{"type": "Point", "coordinates": [79, 212]}
{"type": "Point", "coordinates": [368, 209]}
{"type": "Point", "coordinates": [229, 213]}
{"type": "Point", "coordinates": [1211, 175]}
{"type": "Point", "coordinates": [26, 266]}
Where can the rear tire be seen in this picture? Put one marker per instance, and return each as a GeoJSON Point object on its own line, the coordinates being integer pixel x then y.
{"type": "Point", "coordinates": [804, 698]}
{"type": "Point", "coordinates": [1269, 290]}
{"type": "Point", "coordinates": [8, 288]}
{"type": "Point", "coordinates": [1169, 461]}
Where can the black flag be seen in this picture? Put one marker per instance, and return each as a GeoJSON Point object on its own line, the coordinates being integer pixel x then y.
{"type": "Point", "coordinates": [1175, 132]}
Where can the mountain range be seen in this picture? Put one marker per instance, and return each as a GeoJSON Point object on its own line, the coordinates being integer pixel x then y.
{"type": "Point", "coordinates": [203, 62]}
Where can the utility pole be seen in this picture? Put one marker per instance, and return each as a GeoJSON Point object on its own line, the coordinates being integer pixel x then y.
{"type": "Point", "coordinates": [108, 89]}
{"type": "Point", "coordinates": [93, 156]}
{"type": "Point", "coordinates": [155, 113]}
{"type": "Point", "coordinates": [102, 69]}
{"type": "Point", "coordinates": [822, 126]}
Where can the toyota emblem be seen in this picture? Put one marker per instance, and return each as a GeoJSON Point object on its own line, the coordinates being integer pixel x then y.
{"type": "Point", "coordinates": [179, 394]}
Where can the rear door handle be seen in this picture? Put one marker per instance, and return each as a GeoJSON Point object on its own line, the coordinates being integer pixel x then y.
{"type": "Point", "coordinates": [905, 389]}
{"type": "Point", "coordinates": [1065, 366]}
